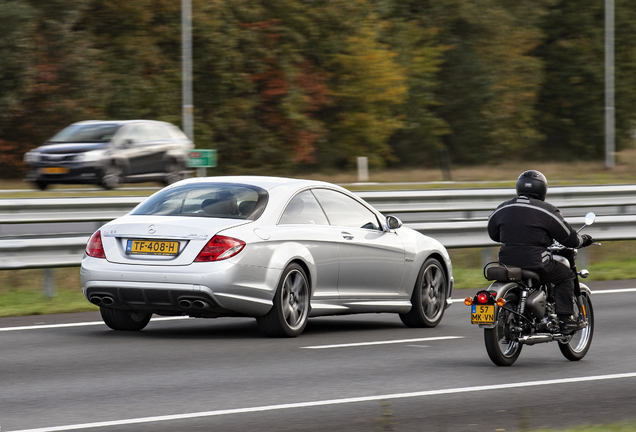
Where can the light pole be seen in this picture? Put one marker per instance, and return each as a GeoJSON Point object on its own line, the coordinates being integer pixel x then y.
{"type": "Point", "coordinates": [610, 135]}
{"type": "Point", "coordinates": [186, 67]}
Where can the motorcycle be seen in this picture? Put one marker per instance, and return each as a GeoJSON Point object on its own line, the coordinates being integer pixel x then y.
{"type": "Point", "coordinates": [518, 310]}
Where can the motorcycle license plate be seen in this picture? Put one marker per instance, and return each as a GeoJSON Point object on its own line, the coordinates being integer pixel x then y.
{"type": "Point", "coordinates": [482, 314]}
{"type": "Point", "coordinates": [151, 247]}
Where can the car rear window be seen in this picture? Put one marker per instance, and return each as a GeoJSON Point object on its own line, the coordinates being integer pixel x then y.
{"type": "Point", "coordinates": [214, 200]}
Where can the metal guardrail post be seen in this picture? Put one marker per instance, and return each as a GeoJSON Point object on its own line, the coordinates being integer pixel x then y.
{"type": "Point", "coordinates": [49, 283]}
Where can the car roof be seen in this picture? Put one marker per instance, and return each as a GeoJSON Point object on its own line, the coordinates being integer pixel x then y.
{"type": "Point", "coordinates": [118, 122]}
{"type": "Point", "coordinates": [264, 182]}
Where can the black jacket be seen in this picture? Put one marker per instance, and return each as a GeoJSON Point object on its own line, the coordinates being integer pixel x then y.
{"type": "Point", "coordinates": [526, 227]}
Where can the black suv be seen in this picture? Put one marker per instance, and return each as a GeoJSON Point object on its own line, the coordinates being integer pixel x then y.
{"type": "Point", "coordinates": [109, 153]}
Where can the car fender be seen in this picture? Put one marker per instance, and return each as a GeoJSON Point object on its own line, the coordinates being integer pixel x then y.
{"type": "Point", "coordinates": [285, 253]}
{"type": "Point", "coordinates": [417, 249]}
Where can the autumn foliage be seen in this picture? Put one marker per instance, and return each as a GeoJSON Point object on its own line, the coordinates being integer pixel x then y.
{"type": "Point", "coordinates": [292, 85]}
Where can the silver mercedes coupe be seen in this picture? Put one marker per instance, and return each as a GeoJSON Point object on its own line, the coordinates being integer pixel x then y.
{"type": "Point", "coordinates": [278, 249]}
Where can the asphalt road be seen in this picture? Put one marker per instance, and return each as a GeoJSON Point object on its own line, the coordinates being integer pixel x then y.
{"type": "Point", "coordinates": [69, 372]}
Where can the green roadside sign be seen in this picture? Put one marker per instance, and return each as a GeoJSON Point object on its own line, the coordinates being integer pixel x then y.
{"type": "Point", "coordinates": [203, 158]}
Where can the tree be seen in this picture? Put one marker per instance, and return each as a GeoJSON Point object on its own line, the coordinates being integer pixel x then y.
{"type": "Point", "coordinates": [16, 52]}
{"type": "Point", "coordinates": [572, 99]}
{"type": "Point", "coordinates": [55, 77]}
{"type": "Point", "coordinates": [420, 52]}
{"type": "Point", "coordinates": [489, 78]}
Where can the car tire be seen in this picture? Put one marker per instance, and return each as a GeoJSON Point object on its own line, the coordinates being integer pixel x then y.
{"type": "Point", "coordinates": [118, 319]}
{"type": "Point", "coordinates": [112, 177]}
{"type": "Point", "coordinates": [290, 311]}
{"type": "Point", "coordinates": [429, 296]}
{"type": "Point", "coordinates": [41, 185]}
{"type": "Point", "coordinates": [174, 172]}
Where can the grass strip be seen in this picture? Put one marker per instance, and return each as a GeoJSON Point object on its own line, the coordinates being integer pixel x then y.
{"type": "Point", "coordinates": [21, 291]}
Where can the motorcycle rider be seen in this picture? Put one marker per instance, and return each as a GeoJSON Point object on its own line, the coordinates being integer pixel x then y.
{"type": "Point", "coordinates": [527, 225]}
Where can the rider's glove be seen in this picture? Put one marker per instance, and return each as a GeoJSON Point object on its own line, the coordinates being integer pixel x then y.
{"type": "Point", "coordinates": [587, 240]}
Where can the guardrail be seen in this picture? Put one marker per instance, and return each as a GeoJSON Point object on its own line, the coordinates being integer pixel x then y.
{"type": "Point", "coordinates": [457, 218]}
{"type": "Point", "coordinates": [476, 203]}
{"type": "Point", "coordinates": [51, 210]}
{"type": "Point", "coordinates": [432, 204]}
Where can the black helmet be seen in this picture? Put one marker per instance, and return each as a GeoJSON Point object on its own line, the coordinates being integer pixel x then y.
{"type": "Point", "coordinates": [532, 183]}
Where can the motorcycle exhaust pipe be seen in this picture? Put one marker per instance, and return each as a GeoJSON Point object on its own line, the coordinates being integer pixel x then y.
{"type": "Point", "coordinates": [535, 339]}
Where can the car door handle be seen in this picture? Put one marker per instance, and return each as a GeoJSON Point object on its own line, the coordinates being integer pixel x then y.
{"type": "Point", "coordinates": [346, 235]}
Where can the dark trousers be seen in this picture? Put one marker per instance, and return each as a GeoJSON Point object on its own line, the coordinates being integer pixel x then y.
{"type": "Point", "coordinates": [563, 279]}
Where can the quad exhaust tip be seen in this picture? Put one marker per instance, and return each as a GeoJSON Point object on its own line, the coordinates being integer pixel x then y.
{"type": "Point", "coordinates": [102, 301]}
{"type": "Point", "coordinates": [197, 304]}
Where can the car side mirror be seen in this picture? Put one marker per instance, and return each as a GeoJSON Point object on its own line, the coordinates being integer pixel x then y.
{"type": "Point", "coordinates": [393, 222]}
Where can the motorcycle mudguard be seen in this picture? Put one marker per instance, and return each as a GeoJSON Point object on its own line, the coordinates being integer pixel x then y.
{"type": "Point", "coordinates": [585, 289]}
{"type": "Point", "coordinates": [501, 288]}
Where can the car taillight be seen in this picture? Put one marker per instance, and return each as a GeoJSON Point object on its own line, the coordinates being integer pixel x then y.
{"type": "Point", "coordinates": [94, 247]}
{"type": "Point", "coordinates": [220, 248]}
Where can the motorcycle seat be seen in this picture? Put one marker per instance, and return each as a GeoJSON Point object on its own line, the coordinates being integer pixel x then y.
{"type": "Point", "coordinates": [503, 273]}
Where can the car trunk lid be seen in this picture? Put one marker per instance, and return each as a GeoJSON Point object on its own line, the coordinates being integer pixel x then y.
{"type": "Point", "coordinates": [160, 240]}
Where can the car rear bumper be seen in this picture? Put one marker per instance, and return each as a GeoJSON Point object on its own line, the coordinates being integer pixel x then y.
{"type": "Point", "coordinates": [201, 289]}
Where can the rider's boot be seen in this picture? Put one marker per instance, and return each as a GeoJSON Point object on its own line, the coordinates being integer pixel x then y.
{"type": "Point", "coordinates": [568, 324]}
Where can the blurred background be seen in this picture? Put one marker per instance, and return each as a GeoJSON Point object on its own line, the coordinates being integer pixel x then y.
{"type": "Point", "coordinates": [298, 86]}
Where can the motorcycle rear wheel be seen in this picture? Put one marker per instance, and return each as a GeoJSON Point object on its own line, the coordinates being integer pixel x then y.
{"type": "Point", "coordinates": [579, 343]}
{"type": "Point", "coordinates": [502, 350]}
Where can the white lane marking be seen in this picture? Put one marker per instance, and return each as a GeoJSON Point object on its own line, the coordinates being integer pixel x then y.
{"type": "Point", "coordinates": [386, 342]}
{"type": "Point", "coordinates": [51, 326]}
{"type": "Point", "coordinates": [609, 291]}
{"type": "Point", "coordinates": [79, 324]}
{"type": "Point", "coordinates": [614, 291]}
{"type": "Point", "coordinates": [318, 403]}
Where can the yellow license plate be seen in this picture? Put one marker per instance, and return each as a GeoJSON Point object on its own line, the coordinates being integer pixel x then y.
{"type": "Point", "coordinates": [152, 247]}
{"type": "Point", "coordinates": [482, 314]}
{"type": "Point", "coordinates": [54, 170]}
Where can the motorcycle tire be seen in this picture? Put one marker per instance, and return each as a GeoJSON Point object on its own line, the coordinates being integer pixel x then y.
{"type": "Point", "coordinates": [577, 346]}
{"type": "Point", "coordinates": [501, 350]}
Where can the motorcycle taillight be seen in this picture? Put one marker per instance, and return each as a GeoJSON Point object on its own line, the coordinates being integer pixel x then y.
{"type": "Point", "coordinates": [482, 298]}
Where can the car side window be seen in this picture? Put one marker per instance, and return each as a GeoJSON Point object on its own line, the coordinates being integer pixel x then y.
{"type": "Point", "coordinates": [157, 132]}
{"type": "Point", "coordinates": [139, 134]}
{"type": "Point", "coordinates": [303, 209]}
{"type": "Point", "coordinates": [345, 211]}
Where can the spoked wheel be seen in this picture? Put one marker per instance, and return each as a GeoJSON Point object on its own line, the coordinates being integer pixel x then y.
{"type": "Point", "coordinates": [429, 296]}
{"type": "Point", "coordinates": [118, 319]}
{"type": "Point", "coordinates": [112, 177]}
{"type": "Point", "coordinates": [288, 316]}
{"type": "Point", "coordinates": [502, 349]}
{"type": "Point", "coordinates": [579, 343]}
